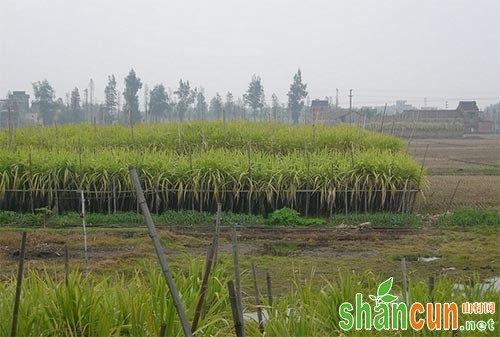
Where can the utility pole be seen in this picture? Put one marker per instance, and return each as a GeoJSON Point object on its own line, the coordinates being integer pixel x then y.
{"type": "Point", "coordinates": [336, 98]}
{"type": "Point", "coordinates": [350, 107]}
{"type": "Point", "coordinates": [91, 94]}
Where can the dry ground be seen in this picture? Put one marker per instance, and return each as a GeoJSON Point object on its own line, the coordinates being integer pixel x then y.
{"type": "Point", "coordinates": [461, 172]}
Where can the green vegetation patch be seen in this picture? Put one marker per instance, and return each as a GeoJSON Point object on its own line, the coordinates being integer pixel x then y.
{"type": "Point", "coordinates": [466, 217]}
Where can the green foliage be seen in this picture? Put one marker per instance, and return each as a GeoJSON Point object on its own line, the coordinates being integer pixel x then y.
{"type": "Point", "coordinates": [158, 103]}
{"type": "Point", "coordinates": [378, 219]}
{"type": "Point", "coordinates": [466, 217]}
{"type": "Point", "coordinates": [111, 97]}
{"type": "Point", "coordinates": [216, 107]}
{"type": "Point", "coordinates": [132, 86]}
{"type": "Point", "coordinates": [254, 96]}
{"type": "Point", "coordinates": [125, 219]}
{"type": "Point", "coordinates": [44, 97]}
{"type": "Point", "coordinates": [265, 137]}
{"type": "Point", "coordinates": [296, 96]}
{"type": "Point", "coordinates": [22, 219]}
{"type": "Point", "coordinates": [290, 217]}
{"type": "Point", "coordinates": [186, 98]}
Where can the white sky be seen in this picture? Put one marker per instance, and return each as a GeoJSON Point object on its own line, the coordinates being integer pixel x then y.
{"type": "Point", "coordinates": [383, 49]}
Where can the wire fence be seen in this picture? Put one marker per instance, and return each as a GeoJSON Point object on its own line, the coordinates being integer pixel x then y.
{"type": "Point", "coordinates": [306, 201]}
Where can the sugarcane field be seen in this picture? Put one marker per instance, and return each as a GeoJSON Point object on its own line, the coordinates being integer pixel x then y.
{"type": "Point", "coordinates": [259, 169]}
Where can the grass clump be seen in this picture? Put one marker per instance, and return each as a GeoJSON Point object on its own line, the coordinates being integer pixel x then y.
{"type": "Point", "coordinates": [290, 217]}
{"type": "Point", "coordinates": [468, 217]}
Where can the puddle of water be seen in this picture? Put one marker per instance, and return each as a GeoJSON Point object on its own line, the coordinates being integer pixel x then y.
{"type": "Point", "coordinates": [492, 283]}
{"type": "Point", "coordinates": [428, 259]}
{"type": "Point", "coordinates": [249, 316]}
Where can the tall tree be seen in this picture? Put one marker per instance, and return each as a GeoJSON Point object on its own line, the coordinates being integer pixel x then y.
{"type": "Point", "coordinates": [146, 101]}
{"type": "Point", "coordinates": [44, 96]}
{"type": "Point", "coordinates": [75, 107]}
{"type": "Point", "coordinates": [276, 108]}
{"type": "Point", "coordinates": [254, 96]}
{"type": "Point", "coordinates": [111, 99]}
{"type": "Point", "coordinates": [186, 98]}
{"type": "Point", "coordinates": [158, 103]}
{"type": "Point", "coordinates": [132, 86]}
{"type": "Point", "coordinates": [201, 104]}
{"type": "Point", "coordinates": [296, 96]}
{"type": "Point", "coordinates": [229, 106]}
{"type": "Point", "coordinates": [216, 107]}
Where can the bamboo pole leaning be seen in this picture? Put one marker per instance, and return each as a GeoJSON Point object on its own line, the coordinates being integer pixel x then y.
{"type": "Point", "coordinates": [160, 253]}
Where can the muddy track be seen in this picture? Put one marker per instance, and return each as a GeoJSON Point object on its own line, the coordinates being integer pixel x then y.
{"type": "Point", "coordinates": [265, 232]}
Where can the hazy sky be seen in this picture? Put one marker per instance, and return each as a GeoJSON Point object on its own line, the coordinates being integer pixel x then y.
{"type": "Point", "coordinates": [383, 49]}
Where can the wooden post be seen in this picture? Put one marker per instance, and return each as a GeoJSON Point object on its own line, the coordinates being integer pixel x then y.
{"type": "Point", "coordinates": [237, 270]}
{"type": "Point", "coordinates": [66, 264]}
{"type": "Point", "coordinates": [217, 231]}
{"type": "Point", "coordinates": [159, 252]}
{"type": "Point", "coordinates": [32, 201]}
{"type": "Point", "coordinates": [204, 288]}
{"type": "Point", "coordinates": [114, 195]}
{"type": "Point", "coordinates": [84, 225]}
{"type": "Point", "coordinates": [345, 200]}
{"type": "Point", "coordinates": [238, 322]}
{"type": "Point", "coordinates": [269, 289]}
{"type": "Point", "coordinates": [257, 299]}
{"type": "Point", "coordinates": [405, 285]}
{"type": "Point", "coordinates": [163, 330]}
{"type": "Point", "coordinates": [431, 285]}
{"type": "Point", "coordinates": [56, 196]}
{"type": "Point", "coordinates": [13, 331]}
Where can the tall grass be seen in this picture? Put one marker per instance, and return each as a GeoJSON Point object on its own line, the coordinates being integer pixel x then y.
{"type": "Point", "coordinates": [184, 137]}
{"type": "Point", "coordinates": [117, 305]}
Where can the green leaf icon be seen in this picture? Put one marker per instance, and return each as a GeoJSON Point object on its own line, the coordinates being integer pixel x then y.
{"type": "Point", "coordinates": [373, 298]}
{"type": "Point", "coordinates": [384, 287]}
{"type": "Point", "coordinates": [388, 298]}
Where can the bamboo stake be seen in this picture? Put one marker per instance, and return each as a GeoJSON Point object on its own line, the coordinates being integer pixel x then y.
{"type": "Point", "coordinates": [84, 225]}
{"type": "Point", "coordinates": [66, 264]}
{"type": "Point", "coordinates": [217, 231]}
{"type": "Point", "coordinates": [56, 196]}
{"type": "Point", "coordinates": [204, 287]}
{"type": "Point", "coordinates": [431, 285]}
{"type": "Point", "coordinates": [163, 330]}
{"type": "Point", "coordinates": [257, 299]}
{"type": "Point", "coordinates": [238, 322]}
{"type": "Point", "coordinates": [13, 331]}
{"type": "Point", "coordinates": [237, 270]}
{"type": "Point", "coordinates": [114, 195]}
{"type": "Point", "coordinates": [405, 285]}
{"type": "Point", "coordinates": [269, 289]}
{"type": "Point", "coordinates": [159, 252]}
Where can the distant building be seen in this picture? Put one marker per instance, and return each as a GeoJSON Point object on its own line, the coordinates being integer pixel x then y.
{"type": "Point", "coordinates": [466, 112]}
{"type": "Point", "coordinates": [14, 109]}
{"type": "Point", "coordinates": [320, 108]}
{"type": "Point", "coordinates": [321, 113]}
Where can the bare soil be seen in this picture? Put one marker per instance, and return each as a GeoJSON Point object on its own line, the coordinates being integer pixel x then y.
{"type": "Point", "coordinates": [461, 172]}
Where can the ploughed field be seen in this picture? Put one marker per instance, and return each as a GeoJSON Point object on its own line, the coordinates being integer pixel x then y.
{"type": "Point", "coordinates": [248, 167]}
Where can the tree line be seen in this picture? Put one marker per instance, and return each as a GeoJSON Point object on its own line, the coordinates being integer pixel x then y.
{"type": "Point", "coordinates": [160, 104]}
